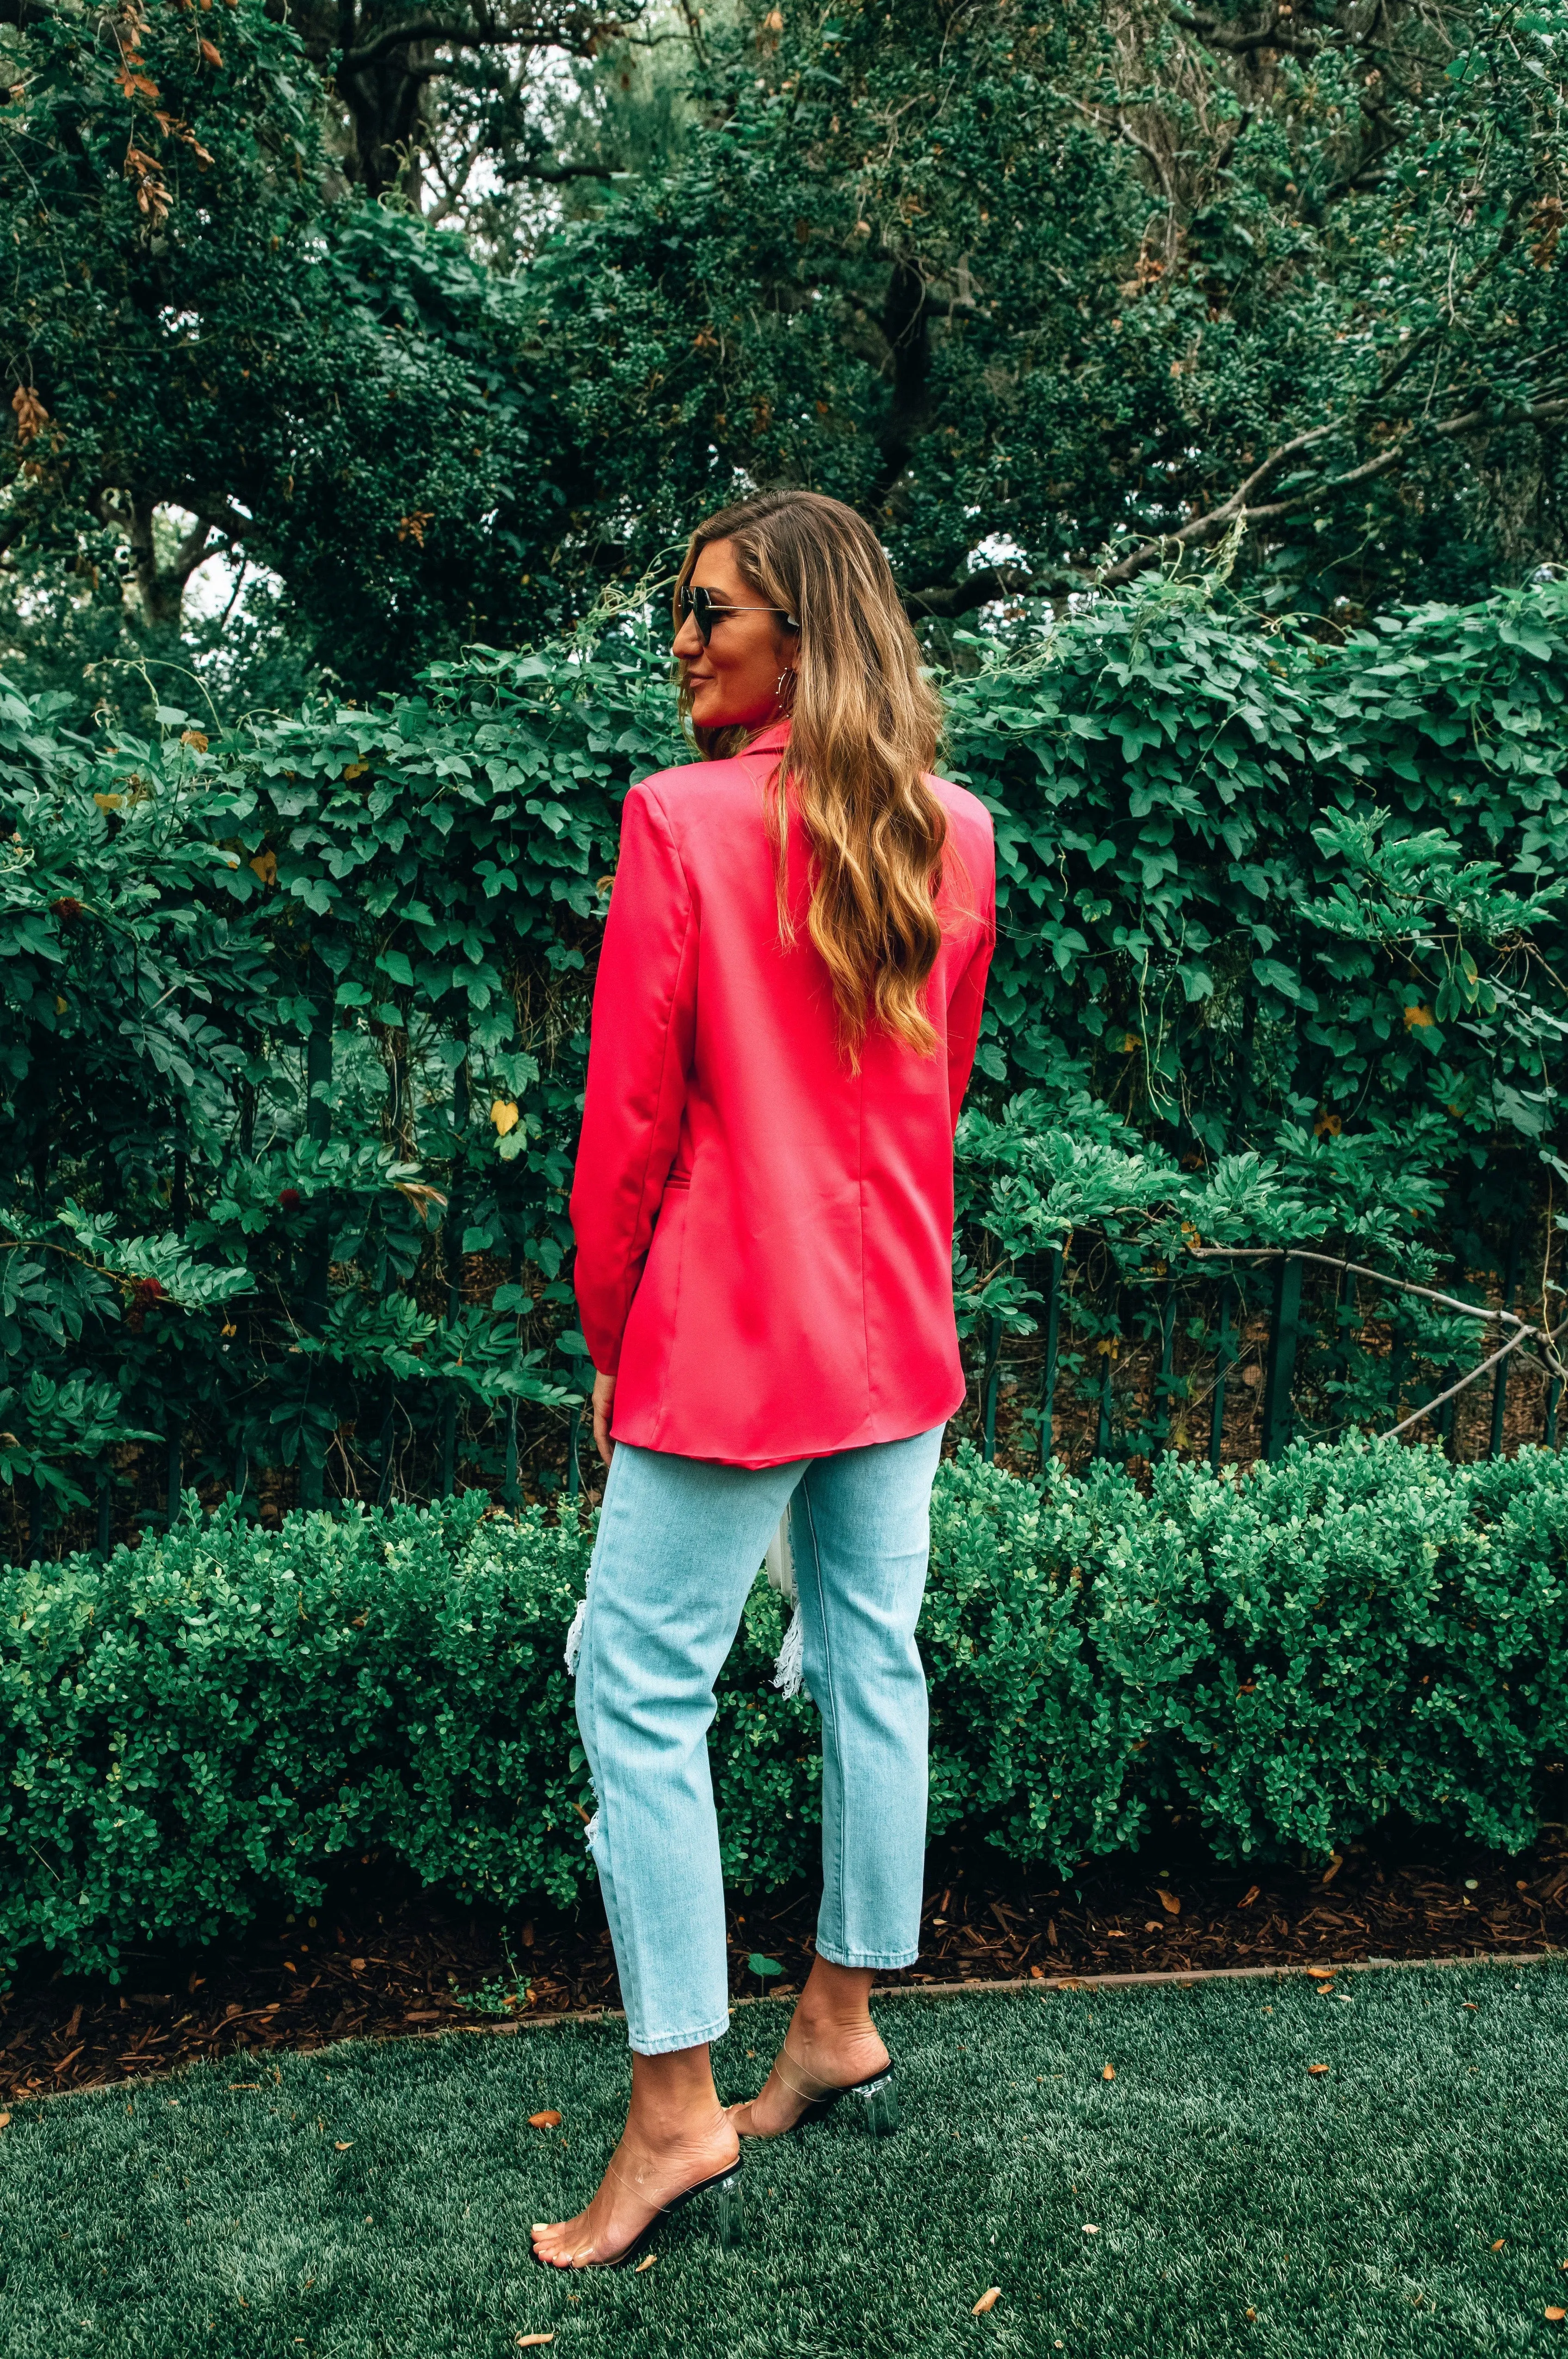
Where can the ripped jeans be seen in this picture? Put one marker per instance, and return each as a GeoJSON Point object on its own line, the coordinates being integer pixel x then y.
{"type": "Point", "coordinates": [678, 1545]}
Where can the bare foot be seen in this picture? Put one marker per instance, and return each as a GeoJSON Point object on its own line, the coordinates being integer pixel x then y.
{"type": "Point", "coordinates": [641, 2180]}
{"type": "Point", "coordinates": [819, 2054]}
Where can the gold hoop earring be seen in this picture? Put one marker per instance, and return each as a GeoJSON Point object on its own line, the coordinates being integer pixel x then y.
{"type": "Point", "coordinates": [784, 687]}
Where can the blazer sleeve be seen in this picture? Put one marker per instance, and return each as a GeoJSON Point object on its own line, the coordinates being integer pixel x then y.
{"type": "Point", "coordinates": [967, 1001]}
{"type": "Point", "coordinates": [639, 1052]}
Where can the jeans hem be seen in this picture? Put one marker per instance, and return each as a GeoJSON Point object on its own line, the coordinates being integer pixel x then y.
{"type": "Point", "coordinates": [884, 1961]}
{"type": "Point", "coordinates": [702, 2036]}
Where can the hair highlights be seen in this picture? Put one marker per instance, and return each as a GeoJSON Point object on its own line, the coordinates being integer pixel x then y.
{"type": "Point", "coordinates": [865, 723]}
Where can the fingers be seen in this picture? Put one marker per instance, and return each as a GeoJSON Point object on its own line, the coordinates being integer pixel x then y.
{"type": "Point", "coordinates": [604, 1405]}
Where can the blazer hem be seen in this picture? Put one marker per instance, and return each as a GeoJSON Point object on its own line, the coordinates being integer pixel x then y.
{"type": "Point", "coordinates": [639, 1428]}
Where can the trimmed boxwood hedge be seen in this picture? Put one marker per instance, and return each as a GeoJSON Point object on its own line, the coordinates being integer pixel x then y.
{"type": "Point", "coordinates": [196, 1728]}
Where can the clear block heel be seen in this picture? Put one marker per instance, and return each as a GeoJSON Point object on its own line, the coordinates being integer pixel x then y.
{"type": "Point", "coordinates": [729, 2205]}
{"type": "Point", "coordinates": [880, 2099]}
{"type": "Point", "coordinates": [723, 2191]}
{"type": "Point", "coordinates": [875, 2095]}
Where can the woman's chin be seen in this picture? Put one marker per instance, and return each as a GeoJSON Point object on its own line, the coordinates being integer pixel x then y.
{"type": "Point", "coordinates": [719, 714]}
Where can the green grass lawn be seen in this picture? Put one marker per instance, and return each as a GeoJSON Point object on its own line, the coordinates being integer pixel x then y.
{"type": "Point", "coordinates": [375, 2200]}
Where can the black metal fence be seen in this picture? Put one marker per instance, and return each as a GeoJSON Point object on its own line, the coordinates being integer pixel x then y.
{"type": "Point", "coordinates": [1233, 1355]}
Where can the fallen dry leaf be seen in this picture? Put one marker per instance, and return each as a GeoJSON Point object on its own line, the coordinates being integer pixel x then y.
{"type": "Point", "coordinates": [1320, 1974]}
{"type": "Point", "coordinates": [1037, 1972]}
{"type": "Point", "coordinates": [1250, 1896]}
{"type": "Point", "coordinates": [1499, 2246]}
{"type": "Point", "coordinates": [1090, 2229]}
{"type": "Point", "coordinates": [5, 2121]}
{"type": "Point", "coordinates": [343, 2144]}
{"type": "Point", "coordinates": [533, 2342]}
{"type": "Point", "coordinates": [1168, 1901]}
{"type": "Point", "coordinates": [646, 2263]}
{"type": "Point", "coordinates": [1317, 2068]}
{"type": "Point", "coordinates": [550, 2121]}
{"type": "Point", "coordinates": [988, 2300]}
{"type": "Point", "coordinates": [1109, 2073]}
{"type": "Point", "coordinates": [1556, 2316]}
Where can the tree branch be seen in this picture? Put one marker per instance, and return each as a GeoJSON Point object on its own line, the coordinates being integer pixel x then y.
{"type": "Point", "coordinates": [487, 33]}
{"type": "Point", "coordinates": [1240, 508]}
{"type": "Point", "coordinates": [556, 173]}
{"type": "Point", "coordinates": [414, 28]}
{"type": "Point", "coordinates": [1268, 35]}
{"type": "Point", "coordinates": [946, 600]}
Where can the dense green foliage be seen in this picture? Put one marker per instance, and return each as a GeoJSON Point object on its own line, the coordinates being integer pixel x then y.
{"type": "Point", "coordinates": [1051, 299]}
{"type": "Point", "coordinates": [201, 370]}
{"type": "Point", "coordinates": [297, 1019]}
{"type": "Point", "coordinates": [210, 1720]}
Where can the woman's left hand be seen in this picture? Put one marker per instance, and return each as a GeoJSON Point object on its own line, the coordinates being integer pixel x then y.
{"type": "Point", "coordinates": [603, 1402]}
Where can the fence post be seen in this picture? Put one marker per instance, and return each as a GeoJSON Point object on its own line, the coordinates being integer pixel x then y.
{"type": "Point", "coordinates": [1053, 1329]}
{"type": "Point", "coordinates": [1344, 1324]}
{"type": "Point", "coordinates": [1284, 1333]}
{"type": "Point", "coordinates": [317, 1129]}
{"type": "Point", "coordinates": [1103, 1427]}
{"type": "Point", "coordinates": [384, 1470]}
{"type": "Point", "coordinates": [1500, 1380]}
{"type": "Point", "coordinates": [1161, 1404]}
{"type": "Point", "coordinates": [452, 1239]}
{"type": "Point", "coordinates": [511, 1490]}
{"type": "Point", "coordinates": [1224, 1356]}
{"type": "Point", "coordinates": [988, 1388]}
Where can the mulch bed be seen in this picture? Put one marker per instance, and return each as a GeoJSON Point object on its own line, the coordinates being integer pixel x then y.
{"type": "Point", "coordinates": [380, 1958]}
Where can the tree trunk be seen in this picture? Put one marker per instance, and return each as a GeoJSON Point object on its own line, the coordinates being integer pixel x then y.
{"type": "Point", "coordinates": [160, 588]}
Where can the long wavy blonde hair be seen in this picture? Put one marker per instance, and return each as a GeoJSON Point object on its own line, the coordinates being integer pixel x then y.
{"type": "Point", "coordinates": [865, 724]}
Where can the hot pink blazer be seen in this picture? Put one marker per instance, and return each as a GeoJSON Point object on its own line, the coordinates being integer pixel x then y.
{"type": "Point", "coordinates": [764, 1236]}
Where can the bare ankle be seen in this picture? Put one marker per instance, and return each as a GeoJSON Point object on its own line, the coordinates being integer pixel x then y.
{"type": "Point", "coordinates": [660, 2126]}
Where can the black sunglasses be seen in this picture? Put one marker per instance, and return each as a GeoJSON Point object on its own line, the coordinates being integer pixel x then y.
{"type": "Point", "coordinates": [700, 604]}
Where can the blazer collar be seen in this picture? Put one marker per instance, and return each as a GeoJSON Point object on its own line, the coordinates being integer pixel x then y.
{"type": "Point", "coordinates": [769, 738]}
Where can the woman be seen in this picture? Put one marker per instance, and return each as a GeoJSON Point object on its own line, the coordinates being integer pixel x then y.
{"type": "Point", "coordinates": [787, 1002]}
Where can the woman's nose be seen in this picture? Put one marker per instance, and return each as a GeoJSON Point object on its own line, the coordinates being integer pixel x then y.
{"type": "Point", "coordinates": [688, 641]}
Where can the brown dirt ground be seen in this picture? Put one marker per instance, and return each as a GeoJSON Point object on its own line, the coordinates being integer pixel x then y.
{"type": "Point", "coordinates": [380, 1958]}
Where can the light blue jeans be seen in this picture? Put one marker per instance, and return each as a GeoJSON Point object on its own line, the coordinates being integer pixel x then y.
{"type": "Point", "coordinates": [680, 1541]}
